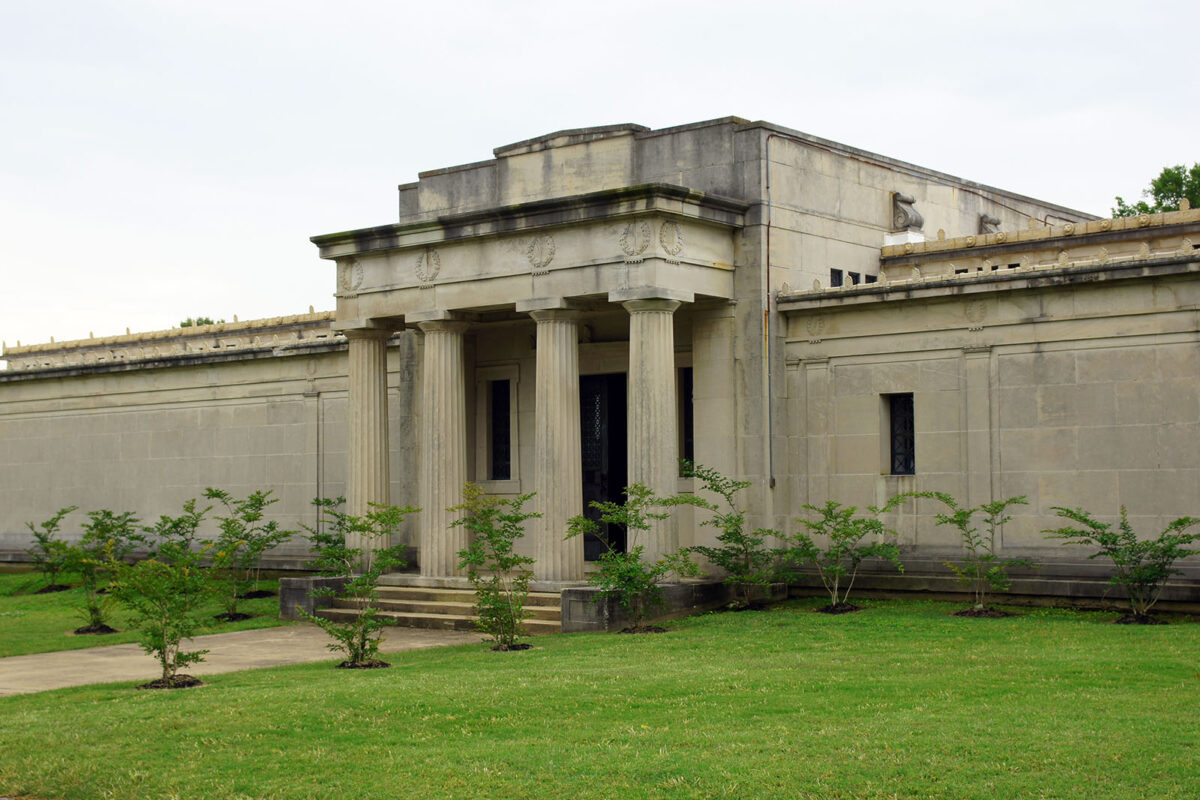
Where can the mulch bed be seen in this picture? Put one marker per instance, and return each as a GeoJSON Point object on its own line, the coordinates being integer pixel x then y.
{"type": "Point", "coordinates": [983, 613]}
{"type": "Point", "coordinates": [52, 588]}
{"type": "Point", "coordinates": [644, 629]}
{"type": "Point", "coordinates": [238, 617]}
{"type": "Point", "coordinates": [838, 608]}
{"type": "Point", "coordinates": [1137, 619]}
{"type": "Point", "coordinates": [179, 681]}
{"type": "Point", "coordinates": [256, 594]}
{"type": "Point", "coordinates": [508, 648]}
{"type": "Point", "coordinates": [373, 663]}
{"type": "Point", "coordinates": [97, 629]}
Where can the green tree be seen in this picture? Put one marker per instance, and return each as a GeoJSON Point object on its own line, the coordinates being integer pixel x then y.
{"type": "Point", "coordinates": [107, 538]}
{"type": "Point", "coordinates": [1171, 186]}
{"type": "Point", "coordinates": [1143, 566]}
{"type": "Point", "coordinates": [359, 568]}
{"type": "Point", "coordinates": [243, 539]}
{"type": "Point", "coordinates": [624, 576]}
{"type": "Point", "coordinates": [743, 555]}
{"type": "Point", "coordinates": [196, 321]}
{"type": "Point", "coordinates": [50, 554]}
{"type": "Point", "coordinates": [851, 540]}
{"type": "Point", "coordinates": [499, 575]}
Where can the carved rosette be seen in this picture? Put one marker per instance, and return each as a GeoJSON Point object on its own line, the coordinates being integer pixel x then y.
{"type": "Point", "coordinates": [428, 265]}
{"type": "Point", "coordinates": [540, 252]}
{"type": "Point", "coordinates": [634, 240]}
{"type": "Point", "coordinates": [815, 326]}
{"type": "Point", "coordinates": [670, 238]}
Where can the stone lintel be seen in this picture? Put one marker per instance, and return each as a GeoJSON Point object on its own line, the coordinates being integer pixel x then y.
{"type": "Point", "coordinates": [546, 304]}
{"type": "Point", "coordinates": [434, 315]}
{"type": "Point", "coordinates": [650, 293]}
{"type": "Point", "coordinates": [345, 326]}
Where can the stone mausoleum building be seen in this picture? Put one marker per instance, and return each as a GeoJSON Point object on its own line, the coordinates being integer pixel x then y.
{"type": "Point", "coordinates": [588, 307]}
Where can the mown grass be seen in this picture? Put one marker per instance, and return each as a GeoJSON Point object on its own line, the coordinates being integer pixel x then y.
{"type": "Point", "coordinates": [42, 623]}
{"type": "Point", "coordinates": [898, 701]}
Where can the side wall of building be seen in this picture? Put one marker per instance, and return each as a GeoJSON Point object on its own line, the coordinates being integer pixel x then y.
{"type": "Point", "coordinates": [1069, 394]}
{"type": "Point", "coordinates": [147, 439]}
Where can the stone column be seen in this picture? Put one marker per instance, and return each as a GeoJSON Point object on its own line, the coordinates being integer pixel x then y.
{"type": "Point", "coordinates": [443, 447]}
{"type": "Point", "coordinates": [367, 478]}
{"type": "Point", "coordinates": [557, 461]}
{"type": "Point", "coordinates": [653, 441]}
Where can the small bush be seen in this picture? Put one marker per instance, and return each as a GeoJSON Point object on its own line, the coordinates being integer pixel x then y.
{"type": "Point", "coordinates": [51, 555]}
{"type": "Point", "coordinates": [743, 555]}
{"type": "Point", "coordinates": [624, 576]}
{"type": "Point", "coordinates": [164, 594]}
{"type": "Point", "coordinates": [1143, 566]}
{"type": "Point", "coordinates": [108, 538]}
{"type": "Point", "coordinates": [852, 539]}
{"type": "Point", "coordinates": [982, 569]}
{"type": "Point", "coordinates": [358, 638]}
{"type": "Point", "coordinates": [499, 575]}
{"type": "Point", "coordinates": [243, 539]}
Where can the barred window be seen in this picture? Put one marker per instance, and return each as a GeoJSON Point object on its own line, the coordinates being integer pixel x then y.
{"type": "Point", "coordinates": [903, 440]}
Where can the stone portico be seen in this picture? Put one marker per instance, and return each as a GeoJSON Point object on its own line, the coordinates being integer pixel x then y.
{"type": "Point", "coordinates": [626, 259]}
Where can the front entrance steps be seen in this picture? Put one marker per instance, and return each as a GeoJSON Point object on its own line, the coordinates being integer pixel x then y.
{"type": "Point", "coordinates": [445, 608]}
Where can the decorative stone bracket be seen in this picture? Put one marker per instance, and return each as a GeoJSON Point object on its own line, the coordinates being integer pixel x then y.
{"type": "Point", "coordinates": [904, 216]}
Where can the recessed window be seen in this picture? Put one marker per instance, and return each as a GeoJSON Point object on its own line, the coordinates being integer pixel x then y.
{"type": "Point", "coordinates": [835, 277]}
{"type": "Point", "coordinates": [496, 425]}
{"type": "Point", "coordinates": [855, 278]}
{"type": "Point", "coordinates": [687, 417]}
{"type": "Point", "coordinates": [870, 278]}
{"type": "Point", "coordinates": [901, 435]}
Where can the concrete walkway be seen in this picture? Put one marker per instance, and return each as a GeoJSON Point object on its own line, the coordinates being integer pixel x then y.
{"type": "Point", "coordinates": [266, 647]}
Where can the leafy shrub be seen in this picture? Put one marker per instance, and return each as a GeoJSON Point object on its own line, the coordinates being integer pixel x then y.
{"type": "Point", "coordinates": [360, 568]}
{"type": "Point", "coordinates": [51, 555]}
{"type": "Point", "coordinates": [165, 593]}
{"type": "Point", "coordinates": [243, 539]}
{"type": "Point", "coordinates": [624, 576]}
{"type": "Point", "coordinates": [743, 555]}
{"type": "Point", "coordinates": [982, 569]}
{"type": "Point", "coordinates": [1143, 566]}
{"type": "Point", "coordinates": [108, 538]}
{"type": "Point", "coordinates": [499, 575]}
{"type": "Point", "coordinates": [852, 539]}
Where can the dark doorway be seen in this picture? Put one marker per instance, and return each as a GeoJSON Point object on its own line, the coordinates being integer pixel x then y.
{"type": "Point", "coordinates": [602, 433]}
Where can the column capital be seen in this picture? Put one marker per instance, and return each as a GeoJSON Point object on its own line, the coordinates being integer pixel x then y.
{"type": "Point", "coordinates": [444, 325]}
{"type": "Point", "coordinates": [369, 334]}
{"type": "Point", "coordinates": [555, 315]}
{"type": "Point", "coordinates": [657, 304]}
{"type": "Point", "coordinates": [651, 293]}
{"type": "Point", "coordinates": [546, 304]}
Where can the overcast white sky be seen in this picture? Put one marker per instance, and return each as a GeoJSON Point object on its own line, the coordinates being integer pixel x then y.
{"type": "Point", "coordinates": [161, 159]}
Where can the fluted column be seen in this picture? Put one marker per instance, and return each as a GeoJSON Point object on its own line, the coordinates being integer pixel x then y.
{"type": "Point", "coordinates": [653, 441]}
{"type": "Point", "coordinates": [443, 447]}
{"type": "Point", "coordinates": [367, 480]}
{"type": "Point", "coordinates": [557, 459]}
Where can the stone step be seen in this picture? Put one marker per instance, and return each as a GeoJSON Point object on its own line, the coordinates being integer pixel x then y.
{"type": "Point", "coordinates": [455, 622]}
{"type": "Point", "coordinates": [425, 594]}
{"type": "Point", "coordinates": [457, 608]}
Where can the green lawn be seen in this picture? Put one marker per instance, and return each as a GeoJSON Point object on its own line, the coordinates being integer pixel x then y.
{"type": "Point", "coordinates": [42, 623]}
{"type": "Point", "coordinates": [897, 701]}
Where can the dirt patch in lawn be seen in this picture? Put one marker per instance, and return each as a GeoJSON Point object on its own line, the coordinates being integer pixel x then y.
{"type": "Point", "coordinates": [95, 629]}
{"type": "Point", "coordinates": [983, 613]}
{"type": "Point", "coordinates": [1139, 619]}
{"type": "Point", "coordinates": [508, 648]}
{"type": "Point", "coordinates": [238, 617]}
{"type": "Point", "coordinates": [256, 594]}
{"type": "Point", "coordinates": [52, 588]}
{"type": "Point", "coordinates": [180, 681]}
{"type": "Point", "coordinates": [372, 663]}
{"type": "Point", "coordinates": [838, 608]}
{"type": "Point", "coordinates": [644, 629]}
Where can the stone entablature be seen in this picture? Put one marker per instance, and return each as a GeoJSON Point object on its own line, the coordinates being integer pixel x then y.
{"type": "Point", "coordinates": [591, 245]}
{"type": "Point", "coordinates": [271, 332]}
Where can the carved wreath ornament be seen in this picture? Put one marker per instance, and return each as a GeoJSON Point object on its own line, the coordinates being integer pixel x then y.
{"type": "Point", "coordinates": [670, 236]}
{"type": "Point", "coordinates": [540, 251]}
{"type": "Point", "coordinates": [352, 276]}
{"type": "Point", "coordinates": [428, 265]}
{"type": "Point", "coordinates": [635, 239]}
